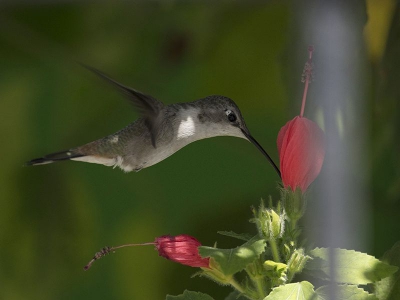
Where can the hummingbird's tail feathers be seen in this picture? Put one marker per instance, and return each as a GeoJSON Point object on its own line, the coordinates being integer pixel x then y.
{"type": "Point", "coordinates": [53, 157]}
{"type": "Point", "coordinates": [114, 162]}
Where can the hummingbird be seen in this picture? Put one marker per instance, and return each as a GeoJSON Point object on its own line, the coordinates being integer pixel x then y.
{"type": "Point", "coordinates": [160, 131]}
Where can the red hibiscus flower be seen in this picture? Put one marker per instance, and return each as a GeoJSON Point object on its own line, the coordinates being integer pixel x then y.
{"type": "Point", "coordinates": [301, 145]}
{"type": "Point", "coordinates": [182, 249]}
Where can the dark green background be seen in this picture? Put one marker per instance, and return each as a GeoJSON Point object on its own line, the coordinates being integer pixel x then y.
{"type": "Point", "coordinates": [53, 218]}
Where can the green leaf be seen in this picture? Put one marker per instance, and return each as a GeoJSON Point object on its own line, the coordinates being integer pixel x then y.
{"type": "Point", "coordinates": [240, 236]}
{"type": "Point", "coordinates": [189, 295]}
{"type": "Point", "coordinates": [293, 291]}
{"type": "Point", "coordinates": [345, 292]}
{"type": "Point", "coordinates": [389, 288]}
{"type": "Point", "coordinates": [351, 267]}
{"type": "Point", "coordinates": [231, 261]}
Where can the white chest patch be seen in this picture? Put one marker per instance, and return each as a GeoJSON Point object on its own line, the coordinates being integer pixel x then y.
{"type": "Point", "coordinates": [186, 128]}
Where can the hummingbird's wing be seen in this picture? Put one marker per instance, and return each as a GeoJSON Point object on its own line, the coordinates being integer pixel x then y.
{"type": "Point", "coordinates": [148, 107]}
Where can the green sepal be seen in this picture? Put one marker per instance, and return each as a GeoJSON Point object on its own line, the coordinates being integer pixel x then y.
{"type": "Point", "coordinates": [389, 287]}
{"type": "Point", "coordinates": [345, 292]}
{"type": "Point", "coordinates": [270, 265]}
{"type": "Point", "coordinates": [231, 261]}
{"type": "Point", "coordinates": [189, 295]}
{"type": "Point", "coordinates": [294, 203]}
{"type": "Point", "coordinates": [296, 262]}
{"type": "Point", "coordinates": [214, 273]}
{"type": "Point", "coordinates": [276, 272]}
{"type": "Point", "coordinates": [351, 267]}
{"type": "Point", "coordinates": [293, 291]}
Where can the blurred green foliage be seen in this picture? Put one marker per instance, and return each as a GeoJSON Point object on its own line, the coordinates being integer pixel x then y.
{"type": "Point", "coordinates": [53, 218]}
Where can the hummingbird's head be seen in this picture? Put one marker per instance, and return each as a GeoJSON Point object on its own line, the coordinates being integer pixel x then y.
{"type": "Point", "coordinates": [226, 116]}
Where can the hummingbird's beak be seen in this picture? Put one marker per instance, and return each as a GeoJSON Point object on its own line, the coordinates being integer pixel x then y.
{"type": "Point", "coordinates": [255, 143]}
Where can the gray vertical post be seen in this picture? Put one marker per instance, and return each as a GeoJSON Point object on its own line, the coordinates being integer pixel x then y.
{"type": "Point", "coordinates": [335, 28]}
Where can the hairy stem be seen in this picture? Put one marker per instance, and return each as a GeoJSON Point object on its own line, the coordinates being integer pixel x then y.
{"type": "Point", "coordinates": [237, 286]}
{"type": "Point", "coordinates": [290, 276]}
{"type": "Point", "coordinates": [274, 249]}
{"type": "Point", "coordinates": [293, 225]}
{"type": "Point", "coordinates": [259, 281]}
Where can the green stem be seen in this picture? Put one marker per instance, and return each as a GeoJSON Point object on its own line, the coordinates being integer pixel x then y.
{"type": "Point", "coordinates": [260, 287]}
{"type": "Point", "coordinates": [254, 273]}
{"type": "Point", "coordinates": [293, 225]}
{"type": "Point", "coordinates": [237, 286]}
{"type": "Point", "coordinates": [274, 249]}
{"type": "Point", "coordinates": [290, 277]}
{"type": "Point", "coordinates": [240, 289]}
{"type": "Point", "coordinates": [268, 286]}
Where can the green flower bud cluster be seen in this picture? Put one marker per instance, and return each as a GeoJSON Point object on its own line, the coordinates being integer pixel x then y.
{"type": "Point", "coordinates": [277, 272]}
{"type": "Point", "coordinates": [270, 222]}
{"type": "Point", "coordinates": [296, 262]}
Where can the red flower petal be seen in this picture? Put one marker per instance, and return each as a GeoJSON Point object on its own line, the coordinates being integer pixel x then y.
{"type": "Point", "coordinates": [182, 249]}
{"type": "Point", "coordinates": [301, 152]}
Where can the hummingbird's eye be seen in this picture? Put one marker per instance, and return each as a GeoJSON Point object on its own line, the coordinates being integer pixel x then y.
{"type": "Point", "coordinates": [231, 116]}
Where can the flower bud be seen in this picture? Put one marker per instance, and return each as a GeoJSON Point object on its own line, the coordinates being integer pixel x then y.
{"type": "Point", "coordinates": [301, 152]}
{"type": "Point", "coordinates": [297, 262]}
{"type": "Point", "coordinates": [270, 223]}
{"type": "Point", "coordinates": [276, 224]}
{"type": "Point", "coordinates": [276, 272]}
{"type": "Point", "coordinates": [182, 249]}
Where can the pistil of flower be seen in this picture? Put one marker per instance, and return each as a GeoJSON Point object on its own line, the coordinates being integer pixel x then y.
{"type": "Point", "coordinates": [307, 78]}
